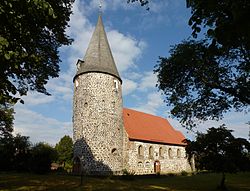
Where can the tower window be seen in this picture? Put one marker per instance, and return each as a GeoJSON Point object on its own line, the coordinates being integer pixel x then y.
{"type": "Point", "coordinates": [85, 104]}
{"type": "Point", "coordinates": [77, 83]}
{"type": "Point", "coordinates": [116, 84]}
{"type": "Point", "coordinates": [114, 151]}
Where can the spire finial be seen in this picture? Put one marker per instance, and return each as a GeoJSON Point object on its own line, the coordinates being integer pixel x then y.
{"type": "Point", "coordinates": [100, 6]}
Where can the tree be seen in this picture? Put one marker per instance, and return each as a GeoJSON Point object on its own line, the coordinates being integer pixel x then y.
{"type": "Point", "coordinates": [21, 155]}
{"type": "Point", "coordinates": [15, 152]}
{"type": "Point", "coordinates": [42, 155]}
{"type": "Point", "coordinates": [65, 151]}
{"type": "Point", "coordinates": [219, 151]}
{"type": "Point", "coordinates": [30, 34]}
{"type": "Point", "coordinates": [203, 79]}
{"type": "Point", "coordinates": [142, 2]}
{"type": "Point", "coordinates": [6, 137]}
{"type": "Point", "coordinates": [7, 152]}
{"type": "Point", "coordinates": [6, 120]}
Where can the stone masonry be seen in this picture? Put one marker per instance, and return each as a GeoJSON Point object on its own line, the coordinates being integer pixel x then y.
{"type": "Point", "coordinates": [98, 125]}
{"type": "Point", "coordinates": [171, 158]}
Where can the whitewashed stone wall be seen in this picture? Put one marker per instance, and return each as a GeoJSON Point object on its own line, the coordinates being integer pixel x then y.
{"type": "Point", "coordinates": [144, 164]}
{"type": "Point", "coordinates": [98, 130]}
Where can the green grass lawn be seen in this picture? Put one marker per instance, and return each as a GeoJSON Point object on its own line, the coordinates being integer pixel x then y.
{"type": "Point", "coordinates": [201, 182]}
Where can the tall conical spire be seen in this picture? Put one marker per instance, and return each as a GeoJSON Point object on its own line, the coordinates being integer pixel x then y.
{"type": "Point", "coordinates": [98, 57]}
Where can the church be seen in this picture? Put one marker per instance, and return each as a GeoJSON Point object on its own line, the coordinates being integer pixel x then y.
{"type": "Point", "coordinates": [111, 139]}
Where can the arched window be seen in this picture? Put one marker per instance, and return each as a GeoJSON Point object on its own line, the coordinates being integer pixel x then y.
{"type": "Point", "coordinates": [161, 152]}
{"type": "Point", "coordinates": [140, 164]}
{"type": "Point", "coordinates": [147, 164]}
{"type": "Point", "coordinates": [170, 153]}
{"type": "Point", "coordinates": [140, 150]}
{"type": "Point", "coordinates": [150, 152]}
{"type": "Point", "coordinates": [178, 153]}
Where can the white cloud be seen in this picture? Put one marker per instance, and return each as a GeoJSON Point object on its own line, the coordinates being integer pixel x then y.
{"type": "Point", "coordinates": [125, 49]}
{"type": "Point", "coordinates": [153, 103]}
{"type": "Point", "coordinates": [128, 86]}
{"type": "Point", "coordinates": [62, 87]}
{"type": "Point", "coordinates": [148, 81]}
{"type": "Point", "coordinates": [40, 128]}
{"type": "Point", "coordinates": [133, 75]}
{"type": "Point", "coordinates": [145, 82]}
{"type": "Point", "coordinates": [34, 98]}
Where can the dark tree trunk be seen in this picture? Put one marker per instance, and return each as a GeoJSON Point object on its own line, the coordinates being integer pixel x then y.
{"type": "Point", "coordinates": [222, 185]}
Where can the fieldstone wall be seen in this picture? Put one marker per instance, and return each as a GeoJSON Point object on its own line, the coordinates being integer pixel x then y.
{"type": "Point", "coordinates": [98, 130]}
{"type": "Point", "coordinates": [172, 159]}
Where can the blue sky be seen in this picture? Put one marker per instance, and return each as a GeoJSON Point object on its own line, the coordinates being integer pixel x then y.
{"type": "Point", "coordinates": [137, 38]}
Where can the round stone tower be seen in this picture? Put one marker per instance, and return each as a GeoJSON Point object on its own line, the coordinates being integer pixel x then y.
{"type": "Point", "coordinates": [97, 110]}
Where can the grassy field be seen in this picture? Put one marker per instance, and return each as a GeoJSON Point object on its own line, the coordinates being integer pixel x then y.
{"type": "Point", "coordinates": [201, 182]}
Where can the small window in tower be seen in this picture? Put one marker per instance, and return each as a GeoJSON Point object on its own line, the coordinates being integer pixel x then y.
{"type": "Point", "coordinates": [116, 84]}
{"type": "Point", "coordinates": [85, 104]}
{"type": "Point", "coordinates": [114, 151]}
{"type": "Point", "coordinates": [113, 105]}
{"type": "Point", "coordinates": [77, 83]}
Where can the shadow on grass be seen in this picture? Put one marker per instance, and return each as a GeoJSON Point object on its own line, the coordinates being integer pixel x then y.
{"type": "Point", "coordinates": [49, 182]}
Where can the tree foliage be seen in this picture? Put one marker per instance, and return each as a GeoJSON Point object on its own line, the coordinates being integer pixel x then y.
{"type": "Point", "coordinates": [22, 149]}
{"type": "Point", "coordinates": [30, 34]}
{"type": "Point", "coordinates": [42, 155]}
{"type": "Point", "coordinates": [15, 152]}
{"type": "Point", "coordinates": [142, 2]}
{"type": "Point", "coordinates": [65, 150]}
{"type": "Point", "coordinates": [6, 120]}
{"type": "Point", "coordinates": [203, 79]}
{"type": "Point", "coordinates": [219, 151]}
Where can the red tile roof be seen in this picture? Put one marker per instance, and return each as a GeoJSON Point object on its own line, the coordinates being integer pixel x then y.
{"type": "Point", "coordinates": [145, 127]}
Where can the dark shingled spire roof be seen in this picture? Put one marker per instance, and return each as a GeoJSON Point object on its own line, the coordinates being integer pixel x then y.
{"type": "Point", "coordinates": [98, 57]}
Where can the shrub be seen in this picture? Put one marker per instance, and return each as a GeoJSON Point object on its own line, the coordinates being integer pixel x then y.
{"type": "Point", "coordinates": [42, 155]}
{"type": "Point", "coordinates": [184, 173]}
{"type": "Point", "coordinates": [128, 175]}
{"type": "Point", "coordinates": [171, 174]}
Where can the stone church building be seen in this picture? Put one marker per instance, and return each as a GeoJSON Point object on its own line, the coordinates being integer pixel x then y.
{"type": "Point", "coordinates": [108, 138]}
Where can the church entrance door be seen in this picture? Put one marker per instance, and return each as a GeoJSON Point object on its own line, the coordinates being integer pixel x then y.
{"type": "Point", "coordinates": [76, 166]}
{"type": "Point", "coordinates": [157, 167]}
